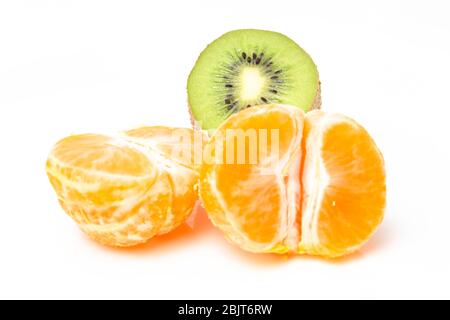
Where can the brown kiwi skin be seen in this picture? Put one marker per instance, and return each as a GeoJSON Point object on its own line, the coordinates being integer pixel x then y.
{"type": "Point", "coordinates": [316, 105]}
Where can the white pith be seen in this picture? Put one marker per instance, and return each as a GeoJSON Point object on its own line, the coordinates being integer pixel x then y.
{"type": "Point", "coordinates": [291, 169]}
{"type": "Point", "coordinates": [293, 200]}
{"type": "Point", "coordinates": [315, 180]}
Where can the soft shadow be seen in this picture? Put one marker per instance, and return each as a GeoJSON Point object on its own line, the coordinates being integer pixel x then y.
{"type": "Point", "coordinates": [199, 228]}
{"type": "Point", "coordinates": [256, 259]}
{"type": "Point", "coordinates": [379, 241]}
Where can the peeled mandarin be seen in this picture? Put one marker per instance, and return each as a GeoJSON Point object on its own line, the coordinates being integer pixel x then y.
{"type": "Point", "coordinates": [316, 185]}
{"type": "Point", "coordinates": [124, 190]}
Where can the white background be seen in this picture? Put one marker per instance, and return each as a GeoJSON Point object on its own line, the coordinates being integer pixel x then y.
{"type": "Point", "coordinates": [100, 66]}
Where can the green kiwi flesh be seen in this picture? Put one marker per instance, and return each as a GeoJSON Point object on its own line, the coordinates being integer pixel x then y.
{"type": "Point", "coordinates": [243, 68]}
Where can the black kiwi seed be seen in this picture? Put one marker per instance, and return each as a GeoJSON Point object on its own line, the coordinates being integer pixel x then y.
{"type": "Point", "coordinates": [274, 91]}
{"type": "Point", "coordinates": [258, 60]}
{"type": "Point", "coordinates": [231, 106]}
{"type": "Point", "coordinates": [254, 56]}
{"type": "Point", "coordinates": [264, 99]}
{"type": "Point", "coordinates": [248, 106]}
{"type": "Point", "coordinates": [228, 85]}
{"type": "Point", "coordinates": [249, 59]}
{"type": "Point", "coordinates": [274, 77]}
{"type": "Point", "coordinates": [244, 55]}
{"type": "Point", "coordinates": [278, 72]}
{"type": "Point", "coordinates": [227, 101]}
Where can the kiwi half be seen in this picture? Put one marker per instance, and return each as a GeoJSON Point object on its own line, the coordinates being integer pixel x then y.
{"type": "Point", "coordinates": [243, 68]}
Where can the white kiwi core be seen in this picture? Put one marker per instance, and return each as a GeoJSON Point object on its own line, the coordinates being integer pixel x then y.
{"type": "Point", "coordinates": [253, 83]}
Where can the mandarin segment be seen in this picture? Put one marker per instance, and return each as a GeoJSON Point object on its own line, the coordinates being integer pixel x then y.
{"type": "Point", "coordinates": [248, 201]}
{"type": "Point", "coordinates": [122, 190]}
{"type": "Point", "coordinates": [351, 202]}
